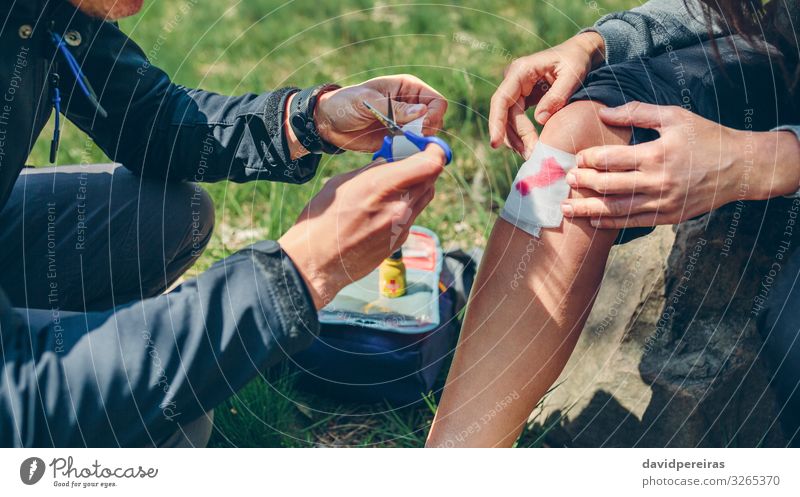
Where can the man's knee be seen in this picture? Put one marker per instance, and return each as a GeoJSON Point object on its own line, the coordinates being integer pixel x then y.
{"type": "Point", "coordinates": [190, 211]}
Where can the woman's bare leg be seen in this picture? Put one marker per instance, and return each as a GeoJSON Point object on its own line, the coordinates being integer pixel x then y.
{"type": "Point", "coordinates": [530, 301]}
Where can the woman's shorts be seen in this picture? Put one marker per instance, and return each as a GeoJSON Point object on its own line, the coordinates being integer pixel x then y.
{"type": "Point", "coordinates": [728, 81]}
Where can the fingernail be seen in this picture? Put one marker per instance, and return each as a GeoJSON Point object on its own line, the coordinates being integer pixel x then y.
{"type": "Point", "coordinates": [595, 223]}
{"type": "Point", "coordinates": [541, 117]}
{"type": "Point", "coordinates": [579, 160]}
{"type": "Point", "coordinates": [567, 210]}
{"type": "Point", "coordinates": [571, 179]}
{"type": "Point", "coordinates": [415, 109]}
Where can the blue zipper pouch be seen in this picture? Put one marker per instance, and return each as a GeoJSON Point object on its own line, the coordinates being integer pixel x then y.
{"type": "Point", "coordinates": [372, 348]}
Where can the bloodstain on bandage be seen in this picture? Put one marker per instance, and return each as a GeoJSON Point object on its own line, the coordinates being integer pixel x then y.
{"type": "Point", "coordinates": [550, 172]}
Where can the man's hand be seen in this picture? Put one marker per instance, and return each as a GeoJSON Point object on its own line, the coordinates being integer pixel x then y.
{"type": "Point", "coordinates": [695, 166]}
{"type": "Point", "coordinates": [547, 78]}
{"type": "Point", "coordinates": [344, 121]}
{"type": "Point", "coordinates": [358, 219]}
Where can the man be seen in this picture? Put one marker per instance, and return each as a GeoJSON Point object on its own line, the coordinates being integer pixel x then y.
{"type": "Point", "coordinates": [93, 352]}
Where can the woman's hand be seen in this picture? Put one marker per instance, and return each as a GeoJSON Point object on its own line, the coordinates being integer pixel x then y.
{"type": "Point", "coordinates": [695, 166]}
{"type": "Point", "coordinates": [546, 78]}
{"type": "Point", "coordinates": [344, 121]}
{"type": "Point", "coordinates": [358, 219]}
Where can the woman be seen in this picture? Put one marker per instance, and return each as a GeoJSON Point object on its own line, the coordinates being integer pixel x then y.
{"type": "Point", "coordinates": [669, 79]}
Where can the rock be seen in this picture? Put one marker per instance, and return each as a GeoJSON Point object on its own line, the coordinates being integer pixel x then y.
{"type": "Point", "coordinates": [670, 353]}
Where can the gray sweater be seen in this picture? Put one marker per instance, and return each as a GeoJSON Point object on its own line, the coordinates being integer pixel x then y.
{"type": "Point", "coordinates": [657, 25]}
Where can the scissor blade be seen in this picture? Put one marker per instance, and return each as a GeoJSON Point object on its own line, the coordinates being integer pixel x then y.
{"type": "Point", "coordinates": [389, 123]}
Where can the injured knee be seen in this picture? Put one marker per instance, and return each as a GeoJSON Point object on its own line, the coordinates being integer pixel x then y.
{"type": "Point", "coordinates": [538, 190]}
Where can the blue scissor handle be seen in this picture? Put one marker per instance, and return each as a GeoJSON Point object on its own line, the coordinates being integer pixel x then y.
{"type": "Point", "coordinates": [385, 152]}
{"type": "Point", "coordinates": [421, 142]}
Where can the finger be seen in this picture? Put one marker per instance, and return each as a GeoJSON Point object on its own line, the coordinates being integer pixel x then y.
{"type": "Point", "coordinates": [538, 91]}
{"type": "Point", "coordinates": [434, 119]}
{"type": "Point", "coordinates": [405, 112]}
{"type": "Point", "coordinates": [513, 141]}
{"type": "Point", "coordinates": [627, 182]}
{"type": "Point", "coordinates": [639, 115]}
{"type": "Point", "coordinates": [412, 171]}
{"type": "Point", "coordinates": [415, 91]}
{"type": "Point", "coordinates": [421, 200]}
{"type": "Point", "coordinates": [399, 239]}
{"type": "Point", "coordinates": [523, 128]}
{"type": "Point", "coordinates": [610, 206]}
{"type": "Point", "coordinates": [518, 82]}
{"type": "Point", "coordinates": [618, 157]}
{"type": "Point", "coordinates": [405, 206]}
{"type": "Point", "coordinates": [649, 219]}
{"type": "Point", "coordinates": [556, 97]}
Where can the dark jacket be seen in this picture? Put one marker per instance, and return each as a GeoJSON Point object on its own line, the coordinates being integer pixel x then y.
{"type": "Point", "coordinates": [100, 383]}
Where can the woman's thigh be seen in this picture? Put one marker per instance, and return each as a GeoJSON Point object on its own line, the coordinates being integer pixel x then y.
{"type": "Point", "coordinates": [94, 236]}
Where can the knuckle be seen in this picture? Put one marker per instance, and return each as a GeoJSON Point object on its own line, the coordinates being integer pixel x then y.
{"type": "Point", "coordinates": [632, 106]}
{"type": "Point", "coordinates": [674, 110]}
{"type": "Point", "coordinates": [586, 158]}
{"type": "Point", "coordinates": [497, 99]}
{"type": "Point", "coordinates": [603, 185]}
{"type": "Point", "coordinates": [516, 64]}
{"type": "Point", "coordinates": [649, 155]}
{"type": "Point", "coordinates": [614, 208]}
{"type": "Point", "coordinates": [671, 206]}
{"type": "Point", "coordinates": [663, 182]}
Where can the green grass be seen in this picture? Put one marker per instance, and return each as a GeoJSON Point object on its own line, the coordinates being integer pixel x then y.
{"type": "Point", "coordinates": [232, 46]}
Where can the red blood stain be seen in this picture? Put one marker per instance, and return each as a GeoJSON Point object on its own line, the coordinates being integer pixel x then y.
{"type": "Point", "coordinates": [550, 172]}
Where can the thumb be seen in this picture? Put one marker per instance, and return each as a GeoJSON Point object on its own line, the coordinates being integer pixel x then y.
{"type": "Point", "coordinates": [556, 97]}
{"type": "Point", "coordinates": [405, 113]}
{"type": "Point", "coordinates": [636, 114]}
{"type": "Point", "coordinates": [421, 167]}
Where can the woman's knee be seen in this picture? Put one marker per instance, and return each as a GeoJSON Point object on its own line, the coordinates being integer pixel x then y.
{"type": "Point", "coordinates": [578, 126]}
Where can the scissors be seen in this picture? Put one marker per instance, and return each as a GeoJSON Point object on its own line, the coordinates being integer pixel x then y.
{"type": "Point", "coordinates": [395, 130]}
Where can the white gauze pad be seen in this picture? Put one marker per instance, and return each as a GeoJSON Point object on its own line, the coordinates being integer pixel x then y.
{"type": "Point", "coordinates": [401, 147]}
{"type": "Point", "coordinates": [538, 190]}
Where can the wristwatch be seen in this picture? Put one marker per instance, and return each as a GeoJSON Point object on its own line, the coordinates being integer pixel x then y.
{"type": "Point", "coordinates": [301, 119]}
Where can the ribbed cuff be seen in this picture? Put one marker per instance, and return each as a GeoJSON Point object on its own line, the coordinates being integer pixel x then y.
{"type": "Point", "coordinates": [291, 298]}
{"type": "Point", "coordinates": [274, 115]}
{"type": "Point", "coordinates": [617, 37]}
{"type": "Point", "coordinates": [796, 130]}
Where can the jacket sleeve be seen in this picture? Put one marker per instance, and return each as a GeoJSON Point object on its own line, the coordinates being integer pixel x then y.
{"type": "Point", "coordinates": [794, 128]}
{"type": "Point", "coordinates": [158, 128]}
{"type": "Point", "coordinates": [652, 29]}
{"type": "Point", "coordinates": [127, 377]}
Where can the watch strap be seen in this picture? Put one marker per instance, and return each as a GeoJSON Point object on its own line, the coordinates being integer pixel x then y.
{"type": "Point", "coordinates": [301, 119]}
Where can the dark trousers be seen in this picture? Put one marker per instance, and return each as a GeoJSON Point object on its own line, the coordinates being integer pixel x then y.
{"type": "Point", "coordinates": [779, 324]}
{"type": "Point", "coordinates": [89, 238]}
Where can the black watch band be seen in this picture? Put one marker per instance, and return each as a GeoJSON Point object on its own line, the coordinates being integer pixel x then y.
{"type": "Point", "coordinates": [301, 119]}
